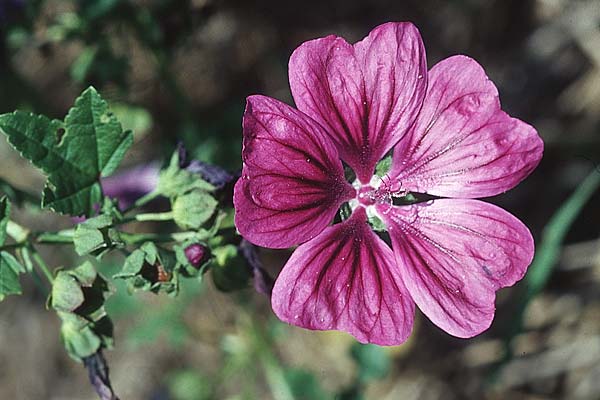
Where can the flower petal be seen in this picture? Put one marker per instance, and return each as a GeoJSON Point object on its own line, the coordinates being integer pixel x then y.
{"type": "Point", "coordinates": [366, 95]}
{"type": "Point", "coordinates": [345, 279]}
{"type": "Point", "coordinates": [455, 254]}
{"type": "Point", "coordinates": [463, 145]}
{"type": "Point", "coordinates": [292, 181]}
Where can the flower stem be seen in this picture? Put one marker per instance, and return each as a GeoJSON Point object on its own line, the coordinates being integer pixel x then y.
{"type": "Point", "coordinates": [42, 265]}
{"type": "Point", "coordinates": [164, 216]}
{"type": "Point", "coordinates": [17, 232]}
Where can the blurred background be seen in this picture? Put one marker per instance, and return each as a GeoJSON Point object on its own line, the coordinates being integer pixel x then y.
{"type": "Point", "coordinates": [180, 70]}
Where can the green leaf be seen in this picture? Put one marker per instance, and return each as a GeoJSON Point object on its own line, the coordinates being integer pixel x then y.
{"type": "Point", "coordinates": [193, 209]}
{"type": "Point", "coordinates": [10, 269]}
{"type": "Point", "coordinates": [4, 218]}
{"type": "Point", "coordinates": [174, 181]}
{"type": "Point", "coordinates": [74, 155]}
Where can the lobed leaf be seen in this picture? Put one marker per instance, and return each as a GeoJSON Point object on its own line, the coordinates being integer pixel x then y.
{"type": "Point", "coordinates": [74, 154]}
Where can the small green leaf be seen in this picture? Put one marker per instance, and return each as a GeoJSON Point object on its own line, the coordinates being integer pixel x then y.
{"type": "Point", "coordinates": [74, 154]}
{"type": "Point", "coordinates": [4, 218]}
{"type": "Point", "coordinates": [193, 209]}
{"type": "Point", "coordinates": [174, 181]}
{"type": "Point", "coordinates": [10, 269]}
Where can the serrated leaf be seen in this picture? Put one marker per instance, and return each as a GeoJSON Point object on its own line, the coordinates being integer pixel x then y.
{"type": "Point", "coordinates": [10, 269]}
{"type": "Point", "coordinates": [74, 155]}
{"type": "Point", "coordinates": [4, 217]}
{"type": "Point", "coordinates": [193, 209]}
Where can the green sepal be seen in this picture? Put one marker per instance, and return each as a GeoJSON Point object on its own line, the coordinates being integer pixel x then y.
{"type": "Point", "coordinates": [78, 296]}
{"type": "Point", "coordinates": [175, 181]}
{"type": "Point", "coordinates": [82, 337]}
{"type": "Point", "coordinates": [377, 224]}
{"type": "Point", "coordinates": [74, 154]}
{"type": "Point", "coordinates": [151, 268]}
{"type": "Point", "coordinates": [229, 269]}
{"type": "Point", "coordinates": [96, 236]}
{"type": "Point", "coordinates": [383, 166]}
{"type": "Point", "coordinates": [81, 290]}
{"type": "Point", "coordinates": [191, 210]}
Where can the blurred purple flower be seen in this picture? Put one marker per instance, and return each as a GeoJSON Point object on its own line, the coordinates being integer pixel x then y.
{"type": "Point", "coordinates": [449, 137]}
{"type": "Point", "coordinates": [131, 184]}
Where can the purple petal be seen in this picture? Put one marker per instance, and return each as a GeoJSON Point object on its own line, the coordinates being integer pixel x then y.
{"type": "Point", "coordinates": [346, 279]}
{"type": "Point", "coordinates": [454, 255]}
{"type": "Point", "coordinates": [462, 144]}
{"type": "Point", "coordinates": [292, 180]}
{"type": "Point", "coordinates": [366, 95]}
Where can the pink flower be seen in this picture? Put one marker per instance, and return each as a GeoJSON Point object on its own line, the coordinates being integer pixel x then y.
{"type": "Point", "coordinates": [449, 139]}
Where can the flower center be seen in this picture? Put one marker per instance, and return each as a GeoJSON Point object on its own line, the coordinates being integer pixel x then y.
{"type": "Point", "coordinates": [369, 196]}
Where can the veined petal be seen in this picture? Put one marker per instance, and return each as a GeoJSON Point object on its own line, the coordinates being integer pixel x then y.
{"type": "Point", "coordinates": [463, 145]}
{"type": "Point", "coordinates": [346, 279]}
{"type": "Point", "coordinates": [292, 181]}
{"type": "Point", "coordinates": [366, 95]}
{"type": "Point", "coordinates": [454, 255]}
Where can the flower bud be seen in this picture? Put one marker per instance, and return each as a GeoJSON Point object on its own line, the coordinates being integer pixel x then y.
{"type": "Point", "coordinates": [197, 254]}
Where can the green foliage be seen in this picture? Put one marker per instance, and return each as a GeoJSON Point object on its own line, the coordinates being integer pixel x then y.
{"type": "Point", "coordinates": [78, 296]}
{"type": "Point", "coordinates": [10, 268]}
{"type": "Point", "coordinates": [96, 236]}
{"type": "Point", "coordinates": [191, 210]}
{"type": "Point", "coordinates": [74, 154]}
{"type": "Point", "coordinates": [151, 268]}
{"type": "Point", "coordinates": [175, 181]}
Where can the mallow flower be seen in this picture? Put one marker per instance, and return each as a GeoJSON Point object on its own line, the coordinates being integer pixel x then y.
{"type": "Point", "coordinates": [448, 138]}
